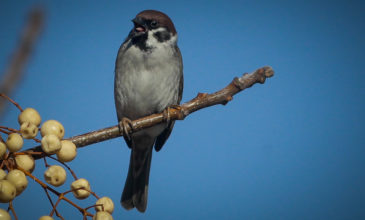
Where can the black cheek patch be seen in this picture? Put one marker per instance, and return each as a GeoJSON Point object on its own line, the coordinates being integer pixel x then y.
{"type": "Point", "coordinates": [162, 36]}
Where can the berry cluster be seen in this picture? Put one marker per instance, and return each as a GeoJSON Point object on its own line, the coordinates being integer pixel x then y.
{"type": "Point", "coordinates": [21, 164]}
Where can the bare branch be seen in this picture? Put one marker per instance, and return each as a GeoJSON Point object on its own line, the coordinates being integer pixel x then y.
{"type": "Point", "coordinates": [21, 54]}
{"type": "Point", "coordinates": [202, 100]}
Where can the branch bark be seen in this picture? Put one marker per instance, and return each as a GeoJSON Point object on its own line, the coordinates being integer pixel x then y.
{"type": "Point", "coordinates": [202, 100]}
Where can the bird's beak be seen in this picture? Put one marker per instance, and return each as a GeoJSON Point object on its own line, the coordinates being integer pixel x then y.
{"type": "Point", "coordinates": [139, 25]}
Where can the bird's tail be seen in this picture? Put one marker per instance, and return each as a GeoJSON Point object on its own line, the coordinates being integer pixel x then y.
{"type": "Point", "coordinates": [135, 191]}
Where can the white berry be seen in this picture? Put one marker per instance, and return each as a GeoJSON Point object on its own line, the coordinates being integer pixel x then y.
{"type": "Point", "coordinates": [7, 191]}
{"type": "Point", "coordinates": [14, 142]}
{"type": "Point", "coordinates": [4, 215]}
{"type": "Point", "coordinates": [102, 216]}
{"type": "Point", "coordinates": [80, 193]}
{"type": "Point", "coordinates": [19, 180]}
{"type": "Point", "coordinates": [67, 152]}
{"type": "Point", "coordinates": [28, 130]}
{"type": "Point", "coordinates": [55, 175]}
{"type": "Point", "coordinates": [51, 144]}
{"type": "Point", "coordinates": [29, 115]}
{"type": "Point", "coordinates": [53, 127]}
{"type": "Point", "coordinates": [26, 162]}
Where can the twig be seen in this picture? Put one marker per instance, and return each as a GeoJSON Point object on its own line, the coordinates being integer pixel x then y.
{"type": "Point", "coordinates": [202, 100]}
{"type": "Point", "coordinates": [60, 195]}
{"type": "Point", "coordinates": [12, 209]}
{"type": "Point", "coordinates": [20, 56]}
{"type": "Point", "coordinates": [52, 204]}
{"type": "Point", "coordinates": [65, 165]}
{"type": "Point", "coordinates": [10, 100]}
{"type": "Point", "coordinates": [5, 132]}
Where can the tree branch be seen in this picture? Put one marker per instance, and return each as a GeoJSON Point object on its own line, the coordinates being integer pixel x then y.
{"type": "Point", "coordinates": [22, 53]}
{"type": "Point", "coordinates": [202, 100]}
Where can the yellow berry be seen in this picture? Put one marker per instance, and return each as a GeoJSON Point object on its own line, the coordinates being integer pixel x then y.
{"type": "Point", "coordinates": [55, 175]}
{"type": "Point", "coordinates": [102, 216]}
{"type": "Point", "coordinates": [67, 152]}
{"type": "Point", "coordinates": [80, 193]}
{"type": "Point", "coordinates": [2, 175]}
{"type": "Point", "coordinates": [46, 217]}
{"type": "Point", "coordinates": [7, 191]}
{"type": "Point", "coordinates": [2, 149]}
{"type": "Point", "coordinates": [28, 130]}
{"type": "Point", "coordinates": [50, 144]}
{"type": "Point", "coordinates": [18, 179]}
{"type": "Point", "coordinates": [14, 142]}
{"type": "Point", "coordinates": [107, 204]}
{"type": "Point", "coordinates": [4, 215]}
{"type": "Point", "coordinates": [53, 127]}
{"type": "Point", "coordinates": [29, 115]}
{"type": "Point", "coordinates": [26, 162]}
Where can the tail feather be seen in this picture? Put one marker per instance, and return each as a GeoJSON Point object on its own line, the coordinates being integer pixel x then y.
{"type": "Point", "coordinates": [135, 191]}
{"type": "Point", "coordinates": [127, 194]}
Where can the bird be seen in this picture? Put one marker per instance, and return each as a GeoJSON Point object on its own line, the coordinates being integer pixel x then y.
{"type": "Point", "coordinates": [148, 80]}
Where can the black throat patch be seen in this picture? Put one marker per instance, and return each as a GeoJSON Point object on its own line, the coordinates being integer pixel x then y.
{"type": "Point", "coordinates": [140, 42]}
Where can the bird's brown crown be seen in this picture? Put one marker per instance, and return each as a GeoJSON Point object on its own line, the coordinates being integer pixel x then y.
{"type": "Point", "coordinates": [160, 17]}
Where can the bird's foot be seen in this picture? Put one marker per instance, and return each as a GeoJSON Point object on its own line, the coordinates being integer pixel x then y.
{"type": "Point", "coordinates": [126, 126]}
{"type": "Point", "coordinates": [166, 112]}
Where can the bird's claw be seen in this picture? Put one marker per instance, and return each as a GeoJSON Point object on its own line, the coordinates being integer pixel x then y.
{"type": "Point", "coordinates": [126, 126]}
{"type": "Point", "coordinates": [166, 112]}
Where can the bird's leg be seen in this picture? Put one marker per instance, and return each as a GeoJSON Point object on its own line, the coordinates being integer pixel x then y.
{"type": "Point", "coordinates": [166, 112]}
{"type": "Point", "coordinates": [126, 125]}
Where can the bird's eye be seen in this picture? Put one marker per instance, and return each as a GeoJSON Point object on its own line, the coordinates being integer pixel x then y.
{"type": "Point", "coordinates": [153, 23]}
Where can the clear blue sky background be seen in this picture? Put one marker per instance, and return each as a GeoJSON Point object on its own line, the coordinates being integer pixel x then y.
{"type": "Point", "coordinates": [292, 148]}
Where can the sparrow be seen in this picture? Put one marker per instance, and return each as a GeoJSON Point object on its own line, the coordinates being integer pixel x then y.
{"type": "Point", "coordinates": [148, 79]}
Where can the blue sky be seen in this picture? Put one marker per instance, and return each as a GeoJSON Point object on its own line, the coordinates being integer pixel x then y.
{"type": "Point", "coordinates": [292, 148]}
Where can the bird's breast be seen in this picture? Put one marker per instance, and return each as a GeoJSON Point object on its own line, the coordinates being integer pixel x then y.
{"type": "Point", "coordinates": [146, 83]}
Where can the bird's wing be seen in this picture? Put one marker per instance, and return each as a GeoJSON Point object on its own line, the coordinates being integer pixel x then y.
{"type": "Point", "coordinates": [161, 139]}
